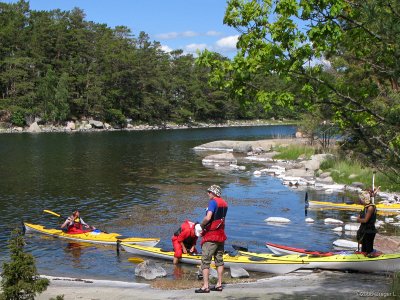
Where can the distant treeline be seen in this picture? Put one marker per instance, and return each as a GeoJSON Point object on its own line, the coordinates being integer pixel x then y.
{"type": "Point", "coordinates": [57, 66]}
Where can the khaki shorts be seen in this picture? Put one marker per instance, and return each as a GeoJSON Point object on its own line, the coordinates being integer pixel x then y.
{"type": "Point", "coordinates": [210, 250]}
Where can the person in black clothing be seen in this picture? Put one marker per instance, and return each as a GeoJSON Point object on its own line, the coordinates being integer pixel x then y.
{"type": "Point", "coordinates": [367, 231]}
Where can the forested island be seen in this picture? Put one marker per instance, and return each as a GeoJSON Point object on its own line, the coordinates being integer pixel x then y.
{"type": "Point", "coordinates": [58, 66]}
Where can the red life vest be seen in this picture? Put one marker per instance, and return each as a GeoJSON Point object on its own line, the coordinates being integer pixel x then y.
{"type": "Point", "coordinates": [214, 231]}
{"type": "Point", "coordinates": [76, 227]}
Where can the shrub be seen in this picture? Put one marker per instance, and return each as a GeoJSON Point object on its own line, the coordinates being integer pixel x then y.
{"type": "Point", "coordinates": [18, 118]}
{"type": "Point", "coordinates": [20, 279]}
{"type": "Point", "coordinates": [115, 117]}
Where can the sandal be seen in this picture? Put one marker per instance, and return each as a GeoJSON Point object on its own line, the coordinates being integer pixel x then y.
{"type": "Point", "coordinates": [201, 291]}
{"type": "Point", "coordinates": [216, 288]}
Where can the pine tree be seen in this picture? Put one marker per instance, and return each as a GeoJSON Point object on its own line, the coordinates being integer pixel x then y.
{"type": "Point", "coordinates": [20, 279]}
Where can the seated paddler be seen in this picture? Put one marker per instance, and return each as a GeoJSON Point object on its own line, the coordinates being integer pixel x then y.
{"type": "Point", "coordinates": [75, 224]}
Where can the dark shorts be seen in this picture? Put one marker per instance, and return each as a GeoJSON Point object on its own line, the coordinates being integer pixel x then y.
{"type": "Point", "coordinates": [210, 250]}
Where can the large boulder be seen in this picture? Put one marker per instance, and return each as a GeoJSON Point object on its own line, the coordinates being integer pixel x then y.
{"type": "Point", "coordinates": [237, 272]}
{"type": "Point", "coordinates": [70, 125]}
{"type": "Point", "coordinates": [149, 270]}
{"type": "Point", "coordinates": [220, 159]}
{"type": "Point", "coordinates": [34, 128]}
{"type": "Point", "coordinates": [242, 148]}
{"type": "Point", "coordinates": [96, 124]}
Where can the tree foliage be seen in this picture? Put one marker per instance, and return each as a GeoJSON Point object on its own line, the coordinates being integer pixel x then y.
{"type": "Point", "coordinates": [58, 66]}
{"type": "Point", "coordinates": [20, 279]}
{"type": "Point", "coordinates": [335, 55]}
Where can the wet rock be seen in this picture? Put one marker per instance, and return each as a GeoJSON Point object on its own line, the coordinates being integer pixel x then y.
{"type": "Point", "coordinates": [332, 221]}
{"type": "Point", "coordinates": [242, 148]}
{"type": "Point", "coordinates": [277, 220]}
{"type": "Point", "coordinates": [149, 270]}
{"type": "Point", "coordinates": [237, 272]}
{"type": "Point", "coordinates": [221, 159]}
{"type": "Point", "coordinates": [352, 227]}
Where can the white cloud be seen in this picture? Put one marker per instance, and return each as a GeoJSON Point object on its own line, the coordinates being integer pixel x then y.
{"type": "Point", "coordinates": [212, 33]}
{"type": "Point", "coordinates": [192, 48]}
{"type": "Point", "coordinates": [189, 34]}
{"type": "Point", "coordinates": [167, 36]}
{"type": "Point", "coordinates": [176, 35]}
{"type": "Point", "coordinates": [185, 34]}
{"type": "Point", "coordinates": [228, 42]}
{"type": "Point", "coordinates": [166, 48]}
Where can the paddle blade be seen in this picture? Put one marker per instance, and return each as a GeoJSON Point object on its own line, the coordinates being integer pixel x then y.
{"type": "Point", "coordinates": [240, 248]}
{"type": "Point", "coordinates": [51, 212]}
{"type": "Point", "coordinates": [136, 260]}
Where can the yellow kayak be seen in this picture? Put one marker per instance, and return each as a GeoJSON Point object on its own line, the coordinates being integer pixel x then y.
{"type": "Point", "coordinates": [242, 261]}
{"type": "Point", "coordinates": [331, 205]}
{"type": "Point", "coordinates": [355, 261]}
{"type": "Point", "coordinates": [94, 236]}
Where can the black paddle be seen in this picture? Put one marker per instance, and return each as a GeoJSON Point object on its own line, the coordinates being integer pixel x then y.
{"type": "Point", "coordinates": [240, 248]}
{"type": "Point", "coordinates": [306, 204]}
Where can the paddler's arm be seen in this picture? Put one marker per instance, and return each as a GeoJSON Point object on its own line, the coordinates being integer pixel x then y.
{"type": "Point", "coordinates": [206, 219]}
{"type": "Point", "coordinates": [67, 222]}
{"type": "Point", "coordinates": [368, 215]}
{"type": "Point", "coordinates": [85, 224]}
{"type": "Point", "coordinates": [184, 250]}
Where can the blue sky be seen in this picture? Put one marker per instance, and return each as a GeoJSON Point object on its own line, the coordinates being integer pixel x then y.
{"type": "Point", "coordinates": [176, 24]}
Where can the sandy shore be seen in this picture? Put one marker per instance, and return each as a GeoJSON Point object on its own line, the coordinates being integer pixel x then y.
{"type": "Point", "coordinates": [297, 285]}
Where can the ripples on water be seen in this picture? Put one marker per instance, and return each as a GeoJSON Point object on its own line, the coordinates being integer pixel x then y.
{"type": "Point", "coordinates": [142, 184]}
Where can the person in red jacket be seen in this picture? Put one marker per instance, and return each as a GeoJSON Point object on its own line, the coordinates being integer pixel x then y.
{"type": "Point", "coordinates": [184, 240]}
{"type": "Point", "coordinates": [75, 224]}
{"type": "Point", "coordinates": [213, 238]}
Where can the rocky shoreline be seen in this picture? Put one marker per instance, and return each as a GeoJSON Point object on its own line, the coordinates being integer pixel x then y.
{"type": "Point", "coordinates": [99, 126]}
{"type": "Point", "coordinates": [302, 173]}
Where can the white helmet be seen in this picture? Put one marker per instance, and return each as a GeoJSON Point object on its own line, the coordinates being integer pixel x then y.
{"type": "Point", "coordinates": [198, 230]}
{"type": "Point", "coordinates": [215, 189]}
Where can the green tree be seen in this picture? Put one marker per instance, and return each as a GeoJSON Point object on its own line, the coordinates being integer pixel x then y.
{"type": "Point", "coordinates": [20, 279]}
{"type": "Point", "coordinates": [61, 110]}
{"type": "Point", "coordinates": [341, 54]}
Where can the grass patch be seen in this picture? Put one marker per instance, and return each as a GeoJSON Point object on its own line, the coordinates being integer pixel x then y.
{"type": "Point", "coordinates": [346, 172]}
{"type": "Point", "coordinates": [293, 152]}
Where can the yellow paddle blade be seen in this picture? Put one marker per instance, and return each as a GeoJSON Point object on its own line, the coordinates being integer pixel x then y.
{"type": "Point", "coordinates": [136, 260]}
{"type": "Point", "coordinates": [51, 212]}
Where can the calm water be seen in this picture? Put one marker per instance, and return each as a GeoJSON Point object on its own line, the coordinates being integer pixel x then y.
{"type": "Point", "coordinates": [141, 184]}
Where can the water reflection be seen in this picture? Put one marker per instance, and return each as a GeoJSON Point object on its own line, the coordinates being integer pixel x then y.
{"type": "Point", "coordinates": [74, 251]}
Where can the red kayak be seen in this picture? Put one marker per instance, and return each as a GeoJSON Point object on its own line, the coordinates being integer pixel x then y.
{"type": "Point", "coordinates": [280, 249]}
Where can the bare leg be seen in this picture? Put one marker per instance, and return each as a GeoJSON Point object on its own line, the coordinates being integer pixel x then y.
{"type": "Point", "coordinates": [176, 260]}
{"type": "Point", "coordinates": [220, 271]}
{"type": "Point", "coordinates": [206, 273]}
